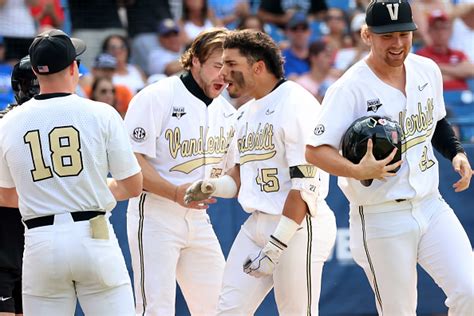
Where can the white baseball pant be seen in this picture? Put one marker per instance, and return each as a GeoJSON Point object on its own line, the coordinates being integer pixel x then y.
{"type": "Point", "coordinates": [62, 262]}
{"type": "Point", "coordinates": [297, 277]}
{"type": "Point", "coordinates": [169, 243]}
{"type": "Point", "coordinates": [388, 240]}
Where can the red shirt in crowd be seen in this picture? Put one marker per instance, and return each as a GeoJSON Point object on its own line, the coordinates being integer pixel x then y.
{"type": "Point", "coordinates": [47, 20]}
{"type": "Point", "coordinates": [452, 57]}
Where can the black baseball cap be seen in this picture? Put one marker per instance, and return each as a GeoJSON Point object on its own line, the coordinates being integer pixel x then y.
{"type": "Point", "coordinates": [53, 51]}
{"type": "Point", "coordinates": [388, 16]}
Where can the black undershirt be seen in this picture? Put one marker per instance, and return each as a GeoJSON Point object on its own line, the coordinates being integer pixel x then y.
{"type": "Point", "coordinates": [444, 140]}
{"type": "Point", "coordinates": [51, 95]}
{"type": "Point", "coordinates": [194, 88]}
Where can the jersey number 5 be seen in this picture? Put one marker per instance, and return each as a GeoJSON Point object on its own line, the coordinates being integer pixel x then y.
{"type": "Point", "coordinates": [267, 180]}
{"type": "Point", "coordinates": [66, 157]}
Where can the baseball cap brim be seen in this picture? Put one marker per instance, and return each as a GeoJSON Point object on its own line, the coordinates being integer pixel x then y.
{"type": "Point", "coordinates": [79, 45]}
{"type": "Point", "coordinates": [391, 28]}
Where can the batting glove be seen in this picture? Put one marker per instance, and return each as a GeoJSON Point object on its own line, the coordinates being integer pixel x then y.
{"type": "Point", "coordinates": [198, 191]}
{"type": "Point", "coordinates": [263, 262]}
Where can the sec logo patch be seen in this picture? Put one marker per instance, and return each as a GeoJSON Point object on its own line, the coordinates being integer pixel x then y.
{"type": "Point", "coordinates": [319, 130]}
{"type": "Point", "coordinates": [139, 134]}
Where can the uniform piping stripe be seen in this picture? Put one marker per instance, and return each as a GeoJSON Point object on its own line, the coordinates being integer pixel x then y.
{"type": "Point", "coordinates": [366, 247]}
{"type": "Point", "coordinates": [308, 262]}
{"type": "Point", "coordinates": [141, 212]}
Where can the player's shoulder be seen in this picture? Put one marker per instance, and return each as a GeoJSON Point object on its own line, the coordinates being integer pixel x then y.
{"type": "Point", "coordinates": [415, 60]}
{"type": "Point", "coordinates": [161, 89]}
{"type": "Point", "coordinates": [297, 96]}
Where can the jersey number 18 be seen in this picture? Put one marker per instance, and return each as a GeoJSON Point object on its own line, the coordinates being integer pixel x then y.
{"type": "Point", "coordinates": [66, 157]}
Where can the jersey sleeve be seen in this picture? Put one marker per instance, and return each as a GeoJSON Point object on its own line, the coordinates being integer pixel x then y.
{"type": "Point", "coordinates": [297, 124]}
{"type": "Point", "coordinates": [121, 159]}
{"type": "Point", "coordinates": [439, 97]}
{"type": "Point", "coordinates": [338, 113]}
{"type": "Point", "coordinates": [144, 119]}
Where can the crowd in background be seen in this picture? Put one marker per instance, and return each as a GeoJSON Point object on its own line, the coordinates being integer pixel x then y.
{"type": "Point", "coordinates": [133, 43]}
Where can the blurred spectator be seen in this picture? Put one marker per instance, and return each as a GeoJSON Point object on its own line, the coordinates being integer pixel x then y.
{"type": "Point", "coordinates": [336, 23]}
{"type": "Point", "coordinates": [6, 91]}
{"type": "Point", "coordinates": [143, 17]}
{"type": "Point", "coordinates": [346, 57]}
{"type": "Point", "coordinates": [165, 59]}
{"type": "Point", "coordinates": [48, 14]}
{"type": "Point", "coordinates": [460, 11]}
{"type": "Point", "coordinates": [359, 6]}
{"type": "Point", "coordinates": [125, 73]}
{"type": "Point", "coordinates": [92, 21]}
{"type": "Point", "coordinates": [279, 12]}
{"type": "Point", "coordinates": [454, 64]}
{"type": "Point", "coordinates": [229, 12]}
{"type": "Point", "coordinates": [103, 90]}
{"type": "Point", "coordinates": [251, 22]}
{"type": "Point", "coordinates": [17, 27]}
{"type": "Point", "coordinates": [463, 28]}
{"type": "Point", "coordinates": [319, 78]}
{"type": "Point", "coordinates": [194, 20]}
{"type": "Point", "coordinates": [296, 55]}
{"type": "Point", "coordinates": [104, 67]}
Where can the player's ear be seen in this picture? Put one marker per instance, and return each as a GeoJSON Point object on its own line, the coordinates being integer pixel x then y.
{"type": "Point", "coordinates": [258, 67]}
{"type": "Point", "coordinates": [196, 62]}
{"type": "Point", "coordinates": [365, 35]}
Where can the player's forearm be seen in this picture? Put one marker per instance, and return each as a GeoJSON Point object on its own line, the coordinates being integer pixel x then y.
{"type": "Point", "coordinates": [295, 207]}
{"type": "Point", "coordinates": [8, 197]}
{"type": "Point", "coordinates": [328, 159]}
{"type": "Point", "coordinates": [153, 182]}
{"type": "Point", "coordinates": [127, 188]}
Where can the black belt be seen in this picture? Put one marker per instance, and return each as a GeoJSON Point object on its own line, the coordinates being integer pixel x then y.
{"type": "Point", "coordinates": [400, 200]}
{"type": "Point", "coordinates": [49, 219]}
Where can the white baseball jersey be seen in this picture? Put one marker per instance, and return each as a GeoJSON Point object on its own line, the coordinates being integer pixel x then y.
{"type": "Point", "coordinates": [359, 92]}
{"type": "Point", "coordinates": [184, 139]}
{"type": "Point", "coordinates": [58, 160]}
{"type": "Point", "coordinates": [271, 137]}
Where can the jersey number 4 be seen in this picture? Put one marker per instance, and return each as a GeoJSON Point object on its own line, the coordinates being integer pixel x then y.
{"type": "Point", "coordinates": [66, 157]}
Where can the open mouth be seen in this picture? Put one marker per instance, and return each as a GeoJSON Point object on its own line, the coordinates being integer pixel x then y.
{"type": "Point", "coordinates": [396, 54]}
{"type": "Point", "coordinates": [218, 86]}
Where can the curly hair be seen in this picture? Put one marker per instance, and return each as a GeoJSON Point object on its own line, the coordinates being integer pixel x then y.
{"type": "Point", "coordinates": [204, 46]}
{"type": "Point", "coordinates": [256, 46]}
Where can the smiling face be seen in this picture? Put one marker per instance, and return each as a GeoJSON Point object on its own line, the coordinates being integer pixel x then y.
{"type": "Point", "coordinates": [390, 49]}
{"type": "Point", "coordinates": [207, 74]}
{"type": "Point", "coordinates": [237, 73]}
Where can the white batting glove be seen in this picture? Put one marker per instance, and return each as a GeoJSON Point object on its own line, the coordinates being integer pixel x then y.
{"type": "Point", "coordinates": [263, 262]}
{"type": "Point", "coordinates": [198, 191]}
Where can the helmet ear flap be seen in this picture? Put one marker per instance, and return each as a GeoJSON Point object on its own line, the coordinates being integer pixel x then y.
{"type": "Point", "coordinates": [386, 134]}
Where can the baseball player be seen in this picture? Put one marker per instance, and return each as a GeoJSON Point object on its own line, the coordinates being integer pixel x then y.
{"type": "Point", "coordinates": [25, 86]}
{"type": "Point", "coordinates": [291, 230]}
{"type": "Point", "coordinates": [180, 129]}
{"type": "Point", "coordinates": [55, 152]}
{"type": "Point", "coordinates": [400, 219]}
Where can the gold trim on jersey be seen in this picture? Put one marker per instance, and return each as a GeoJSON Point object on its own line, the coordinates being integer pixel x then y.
{"type": "Point", "coordinates": [417, 123]}
{"type": "Point", "coordinates": [256, 157]}
{"type": "Point", "coordinates": [190, 165]}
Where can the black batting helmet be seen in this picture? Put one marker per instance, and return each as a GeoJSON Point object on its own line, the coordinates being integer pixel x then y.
{"type": "Point", "coordinates": [24, 82]}
{"type": "Point", "coordinates": [386, 134]}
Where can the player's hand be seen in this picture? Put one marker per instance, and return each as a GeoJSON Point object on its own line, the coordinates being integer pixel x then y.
{"type": "Point", "coordinates": [200, 204]}
{"type": "Point", "coordinates": [461, 165]}
{"type": "Point", "coordinates": [198, 191]}
{"type": "Point", "coordinates": [263, 262]}
{"type": "Point", "coordinates": [370, 168]}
